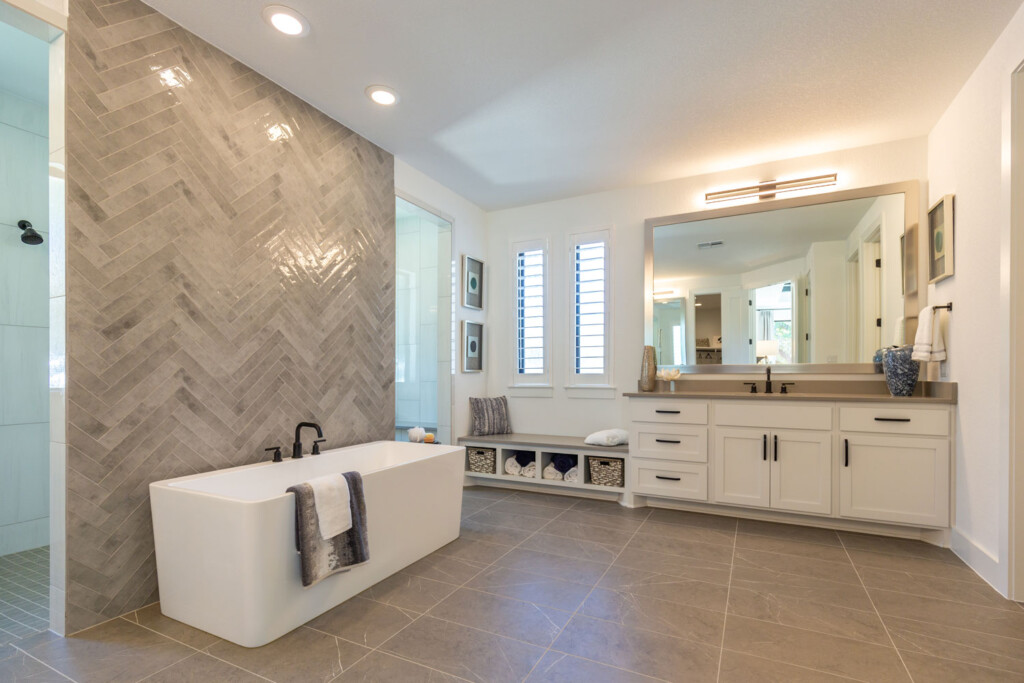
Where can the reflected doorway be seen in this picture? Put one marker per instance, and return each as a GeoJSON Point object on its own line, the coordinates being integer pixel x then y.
{"type": "Point", "coordinates": [423, 321]}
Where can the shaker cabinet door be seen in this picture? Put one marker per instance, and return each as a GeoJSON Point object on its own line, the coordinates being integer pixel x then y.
{"type": "Point", "coordinates": [742, 468]}
{"type": "Point", "coordinates": [801, 471]}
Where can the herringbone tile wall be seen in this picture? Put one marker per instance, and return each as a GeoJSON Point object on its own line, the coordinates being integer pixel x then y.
{"type": "Point", "coordinates": [230, 272]}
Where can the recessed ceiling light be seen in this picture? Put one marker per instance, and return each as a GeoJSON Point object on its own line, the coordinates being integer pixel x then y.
{"type": "Point", "coordinates": [286, 20]}
{"type": "Point", "coordinates": [381, 94]}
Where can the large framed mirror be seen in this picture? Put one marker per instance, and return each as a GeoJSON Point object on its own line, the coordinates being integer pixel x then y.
{"type": "Point", "coordinates": [810, 284]}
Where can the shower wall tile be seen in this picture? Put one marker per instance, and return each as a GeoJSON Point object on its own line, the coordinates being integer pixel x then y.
{"type": "Point", "coordinates": [55, 127]}
{"type": "Point", "coordinates": [231, 271]}
{"type": "Point", "coordinates": [23, 536]}
{"type": "Point", "coordinates": [24, 467]}
{"type": "Point", "coordinates": [23, 185]}
{"type": "Point", "coordinates": [24, 289]}
{"type": "Point", "coordinates": [23, 360]}
{"type": "Point", "coordinates": [55, 237]}
{"type": "Point", "coordinates": [23, 114]}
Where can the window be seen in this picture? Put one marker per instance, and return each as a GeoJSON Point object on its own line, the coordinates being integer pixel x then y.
{"type": "Point", "coordinates": [531, 340]}
{"type": "Point", "coordinates": [590, 309]}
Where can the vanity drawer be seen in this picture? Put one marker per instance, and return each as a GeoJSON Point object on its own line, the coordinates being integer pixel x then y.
{"type": "Point", "coordinates": [670, 479]}
{"type": "Point", "coordinates": [668, 410]}
{"type": "Point", "coordinates": [767, 415]}
{"type": "Point", "coordinates": [670, 442]}
{"type": "Point", "coordinates": [886, 419]}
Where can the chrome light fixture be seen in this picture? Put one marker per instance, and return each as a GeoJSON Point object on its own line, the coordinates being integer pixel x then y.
{"type": "Point", "coordinates": [768, 189]}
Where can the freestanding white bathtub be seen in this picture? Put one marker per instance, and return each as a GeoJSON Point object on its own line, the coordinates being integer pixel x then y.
{"type": "Point", "coordinates": [225, 540]}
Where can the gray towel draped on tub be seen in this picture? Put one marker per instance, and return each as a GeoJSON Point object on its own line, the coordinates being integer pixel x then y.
{"type": "Point", "coordinates": [322, 558]}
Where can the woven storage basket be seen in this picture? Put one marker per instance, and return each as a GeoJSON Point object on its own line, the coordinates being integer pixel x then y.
{"type": "Point", "coordinates": [482, 460]}
{"type": "Point", "coordinates": [606, 471]}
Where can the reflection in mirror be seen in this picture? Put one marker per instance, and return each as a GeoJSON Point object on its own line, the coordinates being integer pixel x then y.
{"type": "Point", "coordinates": [821, 283]}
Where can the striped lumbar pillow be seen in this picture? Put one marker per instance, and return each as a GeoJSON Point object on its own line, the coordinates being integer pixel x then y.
{"type": "Point", "coordinates": [490, 416]}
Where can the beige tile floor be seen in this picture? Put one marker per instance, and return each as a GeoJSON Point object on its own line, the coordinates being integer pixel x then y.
{"type": "Point", "coordinates": [549, 588]}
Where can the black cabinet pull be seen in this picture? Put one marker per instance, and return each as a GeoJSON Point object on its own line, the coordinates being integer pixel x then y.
{"type": "Point", "coordinates": [892, 419]}
{"type": "Point", "coordinates": [668, 440]}
{"type": "Point", "coordinates": [764, 447]}
{"type": "Point", "coordinates": [775, 438]}
{"type": "Point", "coordinates": [667, 412]}
{"type": "Point", "coordinates": [846, 452]}
{"type": "Point", "coordinates": [658, 476]}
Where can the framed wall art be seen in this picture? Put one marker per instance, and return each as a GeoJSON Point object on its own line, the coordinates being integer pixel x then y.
{"type": "Point", "coordinates": [472, 346]}
{"type": "Point", "coordinates": [940, 240]}
{"type": "Point", "coordinates": [472, 282]}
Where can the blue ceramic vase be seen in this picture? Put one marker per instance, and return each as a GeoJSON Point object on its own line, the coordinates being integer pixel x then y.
{"type": "Point", "coordinates": [900, 371]}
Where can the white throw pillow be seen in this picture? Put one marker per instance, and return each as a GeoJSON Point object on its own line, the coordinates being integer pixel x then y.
{"type": "Point", "coordinates": [608, 437]}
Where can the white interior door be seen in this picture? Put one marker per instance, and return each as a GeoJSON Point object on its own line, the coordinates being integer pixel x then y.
{"type": "Point", "coordinates": [737, 330]}
{"type": "Point", "coordinates": [801, 479]}
{"type": "Point", "coordinates": [742, 469]}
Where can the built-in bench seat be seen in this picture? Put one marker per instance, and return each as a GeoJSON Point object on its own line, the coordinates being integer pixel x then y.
{"type": "Point", "coordinates": [543, 448]}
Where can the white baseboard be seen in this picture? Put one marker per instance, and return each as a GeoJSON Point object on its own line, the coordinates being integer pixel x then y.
{"type": "Point", "coordinates": [985, 564]}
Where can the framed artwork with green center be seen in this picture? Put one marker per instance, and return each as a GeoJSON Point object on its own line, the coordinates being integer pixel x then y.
{"type": "Point", "coordinates": [940, 240]}
{"type": "Point", "coordinates": [472, 282]}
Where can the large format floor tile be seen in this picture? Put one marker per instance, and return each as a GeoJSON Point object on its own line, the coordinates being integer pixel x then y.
{"type": "Point", "coordinates": [553, 589]}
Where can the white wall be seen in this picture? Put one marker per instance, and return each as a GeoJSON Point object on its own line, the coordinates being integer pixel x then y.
{"type": "Point", "coordinates": [624, 210]}
{"type": "Point", "coordinates": [468, 226]}
{"type": "Point", "coordinates": [969, 156]}
{"type": "Point", "coordinates": [826, 262]}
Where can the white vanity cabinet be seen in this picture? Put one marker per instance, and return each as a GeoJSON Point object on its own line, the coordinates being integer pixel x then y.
{"type": "Point", "coordinates": [894, 465]}
{"type": "Point", "coordinates": [870, 462]}
{"type": "Point", "coordinates": [762, 460]}
{"type": "Point", "coordinates": [669, 448]}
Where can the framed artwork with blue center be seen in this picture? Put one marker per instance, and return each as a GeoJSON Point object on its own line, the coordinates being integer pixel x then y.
{"type": "Point", "coordinates": [472, 282]}
{"type": "Point", "coordinates": [940, 240]}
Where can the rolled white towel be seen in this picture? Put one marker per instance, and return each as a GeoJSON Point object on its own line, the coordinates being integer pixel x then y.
{"type": "Point", "coordinates": [573, 474]}
{"type": "Point", "coordinates": [529, 471]}
{"type": "Point", "coordinates": [512, 467]}
{"type": "Point", "coordinates": [551, 473]}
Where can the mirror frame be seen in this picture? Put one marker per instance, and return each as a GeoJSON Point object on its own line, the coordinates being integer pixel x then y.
{"type": "Point", "coordinates": [912, 301]}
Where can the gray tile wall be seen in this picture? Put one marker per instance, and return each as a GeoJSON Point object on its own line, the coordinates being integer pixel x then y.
{"type": "Point", "coordinates": [230, 272]}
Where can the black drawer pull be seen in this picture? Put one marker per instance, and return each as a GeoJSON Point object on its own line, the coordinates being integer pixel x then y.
{"type": "Point", "coordinates": [775, 437]}
{"type": "Point", "coordinates": [764, 447]}
{"type": "Point", "coordinates": [667, 412]}
{"type": "Point", "coordinates": [668, 440]}
{"type": "Point", "coordinates": [846, 452]}
{"type": "Point", "coordinates": [892, 419]}
{"type": "Point", "coordinates": [658, 476]}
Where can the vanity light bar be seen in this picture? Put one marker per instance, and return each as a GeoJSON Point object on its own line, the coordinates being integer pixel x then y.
{"type": "Point", "coordinates": [770, 188]}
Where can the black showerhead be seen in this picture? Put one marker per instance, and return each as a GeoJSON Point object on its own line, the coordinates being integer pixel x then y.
{"type": "Point", "coordinates": [30, 236]}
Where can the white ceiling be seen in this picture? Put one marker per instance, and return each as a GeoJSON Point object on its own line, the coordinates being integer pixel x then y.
{"type": "Point", "coordinates": [510, 103]}
{"type": "Point", "coordinates": [752, 240]}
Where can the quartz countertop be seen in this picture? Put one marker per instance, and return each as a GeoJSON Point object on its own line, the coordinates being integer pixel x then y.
{"type": "Point", "coordinates": [944, 393]}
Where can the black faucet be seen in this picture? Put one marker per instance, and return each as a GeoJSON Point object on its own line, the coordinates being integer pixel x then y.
{"type": "Point", "coordinates": [297, 446]}
{"type": "Point", "coordinates": [768, 382]}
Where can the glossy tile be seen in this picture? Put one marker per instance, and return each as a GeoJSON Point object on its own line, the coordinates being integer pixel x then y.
{"type": "Point", "coordinates": [821, 617]}
{"type": "Point", "coordinates": [202, 667]}
{"type": "Point", "coordinates": [554, 566]}
{"type": "Point", "coordinates": [827, 653]}
{"type": "Point", "coordinates": [535, 588]}
{"type": "Point", "coordinates": [409, 592]}
{"type": "Point", "coordinates": [465, 652]}
{"type": "Point", "coordinates": [508, 617]}
{"type": "Point", "coordinates": [645, 652]}
{"type": "Point", "coordinates": [24, 282]}
{"type": "Point", "coordinates": [113, 652]}
{"type": "Point", "coordinates": [652, 614]}
{"type": "Point", "coordinates": [709, 596]}
{"type": "Point", "coordinates": [379, 667]}
{"type": "Point", "coordinates": [570, 547]}
{"type": "Point", "coordinates": [24, 372]}
{"type": "Point", "coordinates": [958, 644]}
{"type": "Point", "coordinates": [558, 667]}
{"type": "Point", "coordinates": [365, 622]}
{"type": "Point", "coordinates": [302, 656]}
{"type": "Point", "coordinates": [150, 617]}
{"type": "Point", "coordinates": [740, 668]}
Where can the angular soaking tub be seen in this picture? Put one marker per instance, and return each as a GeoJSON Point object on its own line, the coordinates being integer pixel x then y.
{"type": "Point", "coordinates": [225, 540]}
